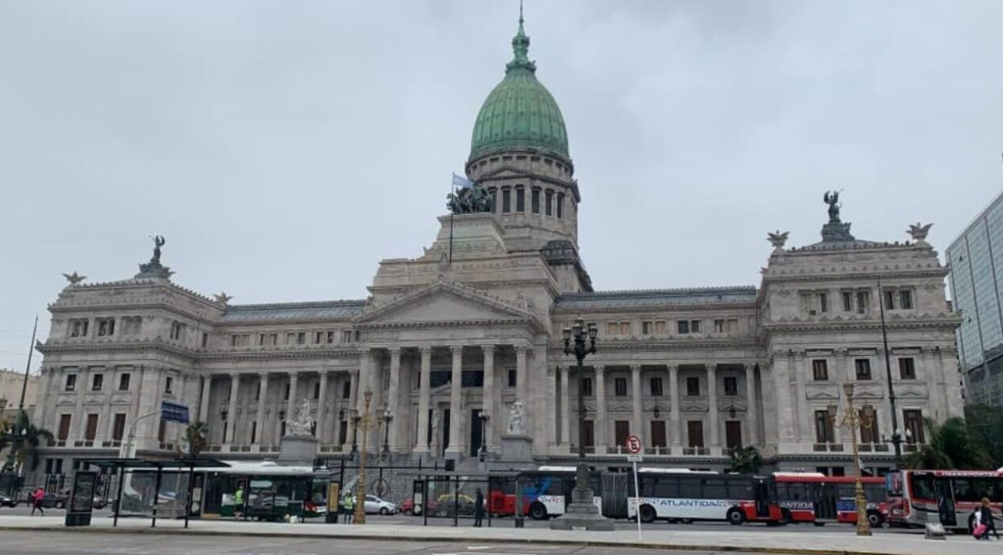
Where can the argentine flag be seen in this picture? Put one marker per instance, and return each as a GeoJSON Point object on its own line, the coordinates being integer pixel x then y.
{"type": "Point", "coordinates": [461, 182]}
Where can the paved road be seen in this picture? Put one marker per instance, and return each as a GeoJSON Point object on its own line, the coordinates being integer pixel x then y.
{"type": "Point", "coordinates": [59, 543]}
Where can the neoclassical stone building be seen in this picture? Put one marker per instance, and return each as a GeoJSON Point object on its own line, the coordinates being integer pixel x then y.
{"type": "Point", "coordinates": [474, 324]}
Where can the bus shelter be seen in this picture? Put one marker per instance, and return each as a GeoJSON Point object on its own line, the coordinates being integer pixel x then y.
{"type": "Point", "coordinates": [143, 478]}
{"type": "Point", "coordinates": [451, 496]}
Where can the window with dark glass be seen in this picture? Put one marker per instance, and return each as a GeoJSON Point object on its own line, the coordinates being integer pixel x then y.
{"type": "Point", "coordinates": [905, 299]}
{"type": "Point", "coordinates": [549, 203]}
{"type": "Point", "coordinates": [520, 199]}
{"type": "Point", "coordinates": [590, 434]}
{"type": "Point", "coordinates": [286, 394]}
{"type": "Point", "coordinates": [512, 378]}
{"type": "Point", "coordinates": [863, 302]}
{"type": "Point", "coordinates": [683, 326]}
{"type": "Point", "coordinates": [694, 433]}
{"type": "Point", "coordinates": [587, 387]}
{"type": "Point", "coordinates": [316, 390]}
{"type": "Point", "coordinates": [733, 434]}
{"type": "Point", "coordinates": [914, 426]}
{"type": "Point", "coordinates": [63, 431]}
{"type": "Point", "coordinates": [869, 432]}
{"type": "Point", "coordinates": [863, 367]}
{"type": "Point", "coordinates": [621, 429]}
{"type": "Point", "coordinates": [889, 300]}
{"type": "Point", "coordinates": [907, 369]}
{"type": "Point", "coordinates": [118, 429]}
{"type": "Point", "coordinates": [820, 370]}
{"type": "Point", "coordinates": [506, 199]}
{"type": "Point", "coordinates": [535, 201]}
{"type": "Point", "coordinates": [123, 381]}
{"type": "Point", "coordinates": [91, 428]}
{"type": "Point", "coordinates": [346, 389]}
{"type": "Point", "coordinates": [169, 385]}
{"type": "Point", "coordinates": [695, 326]}
{"type": "Point", "coordinates": [655, 385]}
{"type": "Point", "coordinates": [847, 301]}
{"type": "Point", "coordinates": [730, 385]}
{"type": "Point", "coordinates": [823, 428]}
{"type": "Point", "coordinates": [620, 386]}
{"type": "Point", "coordinates": [560, 205]}
{"type": "Point", "coordinates": [71, 382]}
{"type": "Point", "coordinates": [693, 386]}
{"type": "Point", "coordinates": [97, 382]}
{"type": "Point", "coordinates": [658, 438]}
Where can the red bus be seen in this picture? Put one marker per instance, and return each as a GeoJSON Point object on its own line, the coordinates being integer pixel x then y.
{"type": "Point", "coordinates": [817, 498]}
{"type": "Point", "coordinates": [945, 496]}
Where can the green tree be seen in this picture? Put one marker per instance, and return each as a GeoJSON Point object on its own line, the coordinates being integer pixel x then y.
{"type": "Point", "coordinates": [949, 446]}
{"type": "Point", "coordinates": [197, 436]}
{"type": "Point", "coordinates": [985, 424]}
{"type": "Point", "coordinates": [746, 460]}
{"type": "Point", "coordinates": [26, 438]}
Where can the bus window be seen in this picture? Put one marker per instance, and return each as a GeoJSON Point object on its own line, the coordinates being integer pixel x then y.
{"type": "Point", "coordinates": [922, 487]}
{"type": "Point", "coordinates": [740, 488]}
{"type": "Point", "coordinates": [666, 487]}
{"type": "Point", "coordinates": [845, 491]}
{"type": "Point", "coordinates": [715, 488]}
{"type": "Point", "coordinates": [875, 493]}
{"type": "Point", "coordinates": [689, 488]}
{"type": "Point", "coordinates": [964, 490]}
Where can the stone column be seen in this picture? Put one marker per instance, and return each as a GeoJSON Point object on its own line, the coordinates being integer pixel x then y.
{"type": "Point", "coordinates": [262, 399]}
{"type": "Point", "coordinates": [637, 422]}
{"type": "Point", "coordinates": [393, 397]}
{"type": "Point", "coordinates": [521, 378]}
{"type": "Point", "coordinates": [780, 369]}
{"type": "Point", "coordinates": [601, 420]}
{"type": "Point", "coordinates": [322, 407]}
{"type": "Point", "coordinates": [805, 420]}
{"type": "Point", "coordinates": [715, 432]}
{"type": "Point", "coordinates": [231, 413]}
{"type": "Point", "coordinates": [105, 420]}
{"type": "Point", "coordinates": [291, 402]}
{"type": "Point", "coordinates": [675, 421]}
{"type": "Point", "coordinates": [353, 393]}
{"type": "Point", "coordinates": [752, 409]}
{"type": "Point", "coordinates": [79, 423]}
{"type": "Point", "coordinates": [455, 409]}
{"type": "Point", "coordinates": [204, 401]}
{"type": "Point", "coordinates": [565, 407]}
{"type": "Point", "coordinates": [488, 399]}
{"type": "Point", "coordinates": [424, 381]}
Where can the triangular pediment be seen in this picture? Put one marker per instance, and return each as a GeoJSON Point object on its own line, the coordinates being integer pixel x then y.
{"type": "Point", "coordinates": [445, 302]}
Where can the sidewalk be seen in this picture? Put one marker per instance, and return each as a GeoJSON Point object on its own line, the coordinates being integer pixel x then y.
{"type": "Point", "coordinates": [816, 543]}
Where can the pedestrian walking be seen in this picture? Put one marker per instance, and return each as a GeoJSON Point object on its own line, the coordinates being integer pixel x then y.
{"type": "Point", "coordinates": [478, 509]}
{"type": "Point", "coordinates": [984, 521]}
{"type": "Point", "coordinates": [349, 509]}
{"type": "Point", "coordinates": [36, 498]}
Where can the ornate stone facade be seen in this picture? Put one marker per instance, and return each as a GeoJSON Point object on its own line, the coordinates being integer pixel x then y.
{"type": "Point", "coordinates": [449, 341]}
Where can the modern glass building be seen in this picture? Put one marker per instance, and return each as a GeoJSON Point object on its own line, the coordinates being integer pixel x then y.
{"type": "Point", "coordinates": [976, 263]}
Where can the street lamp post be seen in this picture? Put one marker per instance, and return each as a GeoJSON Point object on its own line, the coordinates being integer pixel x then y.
{"type": "Point", "coordinates": [896, 433]}
{"type": "Point", "coordinates": [388, 417]}
{"type": "Point", "coordinates": [580, 341]}
{"type": "Point", "coordinates": [363, 424]}
{"type": "Point", "coordinates": [852, 422]}
{"type": "Point", "coordinates": [484, 438]}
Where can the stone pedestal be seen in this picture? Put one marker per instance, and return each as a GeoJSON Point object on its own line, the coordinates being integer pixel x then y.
{"type": "Point", "coordinates": [516, 453]}
{"type": "Point", "coordinates": [582, 513]}
{"type": "Point", "coordinates": [297, 450]}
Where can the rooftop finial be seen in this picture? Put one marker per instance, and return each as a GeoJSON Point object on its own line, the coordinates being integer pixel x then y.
{"type": "Point", "coordinates": [520, 45]}
{"type": "Point", "coordinates": [520, 13]}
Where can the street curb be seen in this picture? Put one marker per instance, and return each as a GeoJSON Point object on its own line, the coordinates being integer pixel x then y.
{"type": "Point", "coordinates": [425, 539]}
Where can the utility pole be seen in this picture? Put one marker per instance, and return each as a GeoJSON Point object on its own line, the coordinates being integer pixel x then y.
{"type": "Point", "coordinates": [896, 433]}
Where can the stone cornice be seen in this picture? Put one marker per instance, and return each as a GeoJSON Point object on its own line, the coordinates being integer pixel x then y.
{"type": "Point", "coordinates": [143, 284]}
{"type": "Point", "coordinates": [239, 356]}
{"type": "Point", "coordinates": [924, 321]}
{"type": "Point", "coordinates": [56, 348]}
{"type": "Point", "coordinates": [674, 345]}
{"type": "Point", "coordinates": [700, 307]}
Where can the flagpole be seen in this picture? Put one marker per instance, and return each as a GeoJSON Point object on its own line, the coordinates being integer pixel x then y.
{"type": "Point", "coordinates": [31, 350]}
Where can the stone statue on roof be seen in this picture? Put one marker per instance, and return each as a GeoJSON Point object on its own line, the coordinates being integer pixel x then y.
{"type": "Point", "coordinates": [832, 199]}
{"type": "Point", "coordinates": [153, 268]}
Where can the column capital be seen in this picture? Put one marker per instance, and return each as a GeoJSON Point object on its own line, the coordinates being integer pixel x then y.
{"type": "Point", "coordinates": [599, 369]}
{"type": "Point", "coordinates": [324, 373]}
{"type": "Point", "coordinates": [293, 375]}
{"type": "Point", "coordinates": [711, 368]}
{"type": "Point", "coordinates": [564, 369]}
{"type": "Point", "coordinates": [353, 371]}
{"type": "Point", "coordinates": [395, 351]}
{"type": "Point", "coordinates": [457, 350]}
{"type": "Point", "coordinates": [426, 350]}
{"type": "Point", "coordinates": [489, 350]}
{"type": "Point", "coordinates": [521, 349]}
{"type": "Point", "coordinates": [635, 368]}
{"type": "Point", "coordinates": [263, 375]}
{"type": "Point", "coordinates": [234, 375]}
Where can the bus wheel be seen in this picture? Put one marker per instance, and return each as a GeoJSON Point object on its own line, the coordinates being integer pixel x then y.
{"type": "Point", "coordinates": [875, 519]}
{"type": "Point", "coordinates": [785, 517]}
{"type": "Point", "coordinates": [647, 513]}
{"type": "Point", "coordinates": [537, 511]}
{"type": "Point", "coordinates": [736, 517]}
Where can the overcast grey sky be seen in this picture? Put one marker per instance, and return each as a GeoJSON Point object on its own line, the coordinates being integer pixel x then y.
{"type": "Point", "coordinates": [284, 148]}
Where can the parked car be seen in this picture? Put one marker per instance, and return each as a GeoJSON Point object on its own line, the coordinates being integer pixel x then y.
{"type": "Point", "coordinates": [99, 502]}
{"type": "Point", "coordinates": [375, 505]}
{"type": "Point", "coordinates": [57, 500]}
{"type": "Point", "coordinates": [450, 503]}
{"type": "Point", "coordinates": [408, 506]}
{"type": "Point", "coordinates": [7, 501]}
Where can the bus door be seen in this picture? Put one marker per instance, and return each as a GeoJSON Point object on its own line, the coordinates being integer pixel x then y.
{"type": "Point", "coordinates": [763, 498]}
{"type": "Point", "coordinates": [944, 490]}
{"type": "Point", "coordinates": [823, 497]}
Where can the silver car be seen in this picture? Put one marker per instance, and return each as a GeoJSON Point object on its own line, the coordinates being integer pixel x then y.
{"type": "Point", "coordinates": [375, 505]}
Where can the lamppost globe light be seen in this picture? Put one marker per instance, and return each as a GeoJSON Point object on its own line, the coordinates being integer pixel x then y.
{"type": "Point", "coordinates": [566, 332]}
{"type": "Point", "coordinates": [593, 331]}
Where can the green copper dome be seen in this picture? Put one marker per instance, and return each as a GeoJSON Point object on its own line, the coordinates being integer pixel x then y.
{"type": "Point", "coordinates": [520, 112]}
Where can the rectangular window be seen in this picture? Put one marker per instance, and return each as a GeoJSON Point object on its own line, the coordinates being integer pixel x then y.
{"type": "Point", "coordinates": [535, 201]}
{"type": "Point", "coordinates": [234, 340]}
{"type": "Point", "coordinates": [285, 395]}
{"type": "Point", "coordinates": [106, 326]}
{"type": "Point", "coordinates": [78, 328]}
{"type": "Point", "coordinates": [590, 434]}
{"type": "Point", "coordinates": [205, 340]}
{"type": "Point", "coordinates": [318, 337]}
{"type": "Point", "coordinates": [907, 369]}
{"type": "Point", "coordinates": [560, 205]}
{"type": "Point", "coordinates": [512, 378]}
{"type": "Point", "coordinates": [169, 385]}
{"type": "Point", "coordinates": [549, 203]}
{"type": "Point", "coordinates": [823, 427]}
{"type": "Point", "coordinates": [162, 432]}
{"type": "Point", "coordinates": [301, 338]}
{"type": "Point", "coordinates": [889, 299]}
{"type": "Point", "coordinates": [343, 432]}
{"type": "Point", "coordinates": [346, 336]}
{"type": "Point", "coordinates": [847, 301]}
{"type": "Point", "coordinates": [695, 326]}
{"type": "Point", "coordinates": [869, 432]}
{"type": "Point", "coordinates": [693, 386]}
{"type": "Point", "coordinates": [694, 433]}
{"type": "Point", "coordinates": [520, 199]}
{"type": "Point", "coordinates": [683, 326]}
{"type": "Point", "coordinates": [587, 387]}
{"type": "Point", "coordinates": [658, 438]}
{"type": "Point", "coordinates": [733, 434]}
{"type": "Point", "coordinates": [621, 429]}
{"type": "Point", "coordinates": [730, 385]}
{"type": "Point", "coordinates": [647, 328]}
{"type": "Point", "coordinates": [254, 432]}
{"type": "Point", "coordinates": [655, 385]}
{"type": "Point", "coordinates": [914, 426]}
{"type": "Point", "coordinates": [612, 328]}
{"type": "Point", "coordinates": [863, 302]}
{"type": "Point", "coordinates": [64, 427]}
{"type": "Point", "coordinates": [91, 430]}
{"type": "Point", "coordinates": [718, 326]}
{"type": "Point", "coordinates": [624, 328]}
{"type": "Point", "coordinates": [620, 386]}
{"type": "Point", "coordinates": [330, 337]}
{"type": "Point", "coordinates": [905, 299]}
{"type": "Point", "coordinates": [97, 382]}
{"type": "Point", "coordinates": [506, 199]}
{"type": "Point", "coordinates": [823, 302]}
{"type": "Point", "coordinates": [820, 370]}
{"type": "Point", "coordinates": [71, 382]}
{"type": "Point", "coordinates": [863, 367]}
{"type": "Point", "coordinates": [123, 381]}
{"type": "Point", "coordinates": [261, 339]}
{"type": "Point", "coordinates": [176, 330]}
{"type": "Point", "coordinates": [346, 390]}
{"type": "Point", "coordinates": [316, 390]}
{"type": "Point", "coordinates": [660, 327]}
{"type": "Point", "coordinates": [118, 429]}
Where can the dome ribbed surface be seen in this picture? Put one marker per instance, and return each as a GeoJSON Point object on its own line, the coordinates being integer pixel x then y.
{"type": "Point", "coordinates": [520, 113]}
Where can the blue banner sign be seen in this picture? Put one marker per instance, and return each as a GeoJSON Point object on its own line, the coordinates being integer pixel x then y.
{"type": "Point", "coordinates": [174, 412]}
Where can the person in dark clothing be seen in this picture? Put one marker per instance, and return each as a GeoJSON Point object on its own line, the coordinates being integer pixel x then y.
{"type": "Point", "coordinates": [478, 509]}
{"type": "Point", "coordinates": [986, 517]}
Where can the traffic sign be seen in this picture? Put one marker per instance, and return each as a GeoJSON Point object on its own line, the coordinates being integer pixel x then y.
{"type": "Point", "coordinates": [633, 444]}
{"type": "Point", "coordinates": [635, 458]}
{"type": "Point", "coordinates": [174, 412]}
